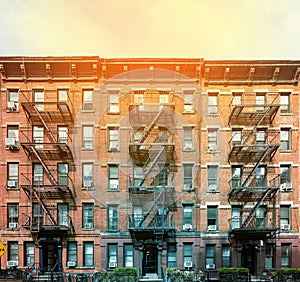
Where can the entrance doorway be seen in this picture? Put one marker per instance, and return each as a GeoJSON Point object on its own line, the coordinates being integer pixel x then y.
{"type": "Point", "coordinates": [150, 259]}
{"type": "Point", "coordinates": [249, 258]}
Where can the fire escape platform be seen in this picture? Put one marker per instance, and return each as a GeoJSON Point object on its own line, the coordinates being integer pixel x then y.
{"type": "Point", "coordinates": [250, 193]}
{"type": "Point", "coordinates": [249, 153]}
{"type": "Point", "coordinates": [247, 114]}
{"type": "Point", "coordinates": [140, 152]}
{"type": "Point", "coordinates": [252, 233]}
{"type": "Point", "coordinates": [50, 112]}
{"type": "Point", "coordinates": [48, 151]}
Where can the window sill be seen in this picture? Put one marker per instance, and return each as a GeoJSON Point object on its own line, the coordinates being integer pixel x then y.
{"type": "Point", "coordinates": [85, 267]}
{"type": "Point", "coordinates": [188, 190]}
{"type": "Point", "coordinates": [286, 114]}
{"type": "Point", "coordinates": [189, 112]}
{"type": "Point", "coordinates": [112, 231]}
{"type": "Point", "coordinates": [213, 115]}
{"type": "Point", "coordinates": [87, 149]}
{"type": "Point", "coordinates": [188, 151]}
{"type": "Point", "coordinates": [112, 190]}
{"type": "Point", "coordinates": [286, 151]}
{"type": "Point", "coordinates": [213, 152]}
{"type": "Point", "coordinates": [113, 150]}
{"type": "Point", "coordinates": [88, 188]}
{"type": "Point", "coordinates": [88, 111]}
{"type": "Point", "coordinates": [113, 113]}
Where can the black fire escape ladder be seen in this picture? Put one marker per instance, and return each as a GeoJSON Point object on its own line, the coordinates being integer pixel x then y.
{"type": "Point", "coordinates": [148, 129]}
{"type": "Point", "coordinates": [154, 204]}
{"type": "Point", "coordinates": [255, 167]}
{"type": "Point", "coordinates": [48, 172]}
{"type": "Point", "coordinates": [152, 165]}
{"type": "Point", "coordinates": [44, 207]}
{"type": "Point", "coordinates": [45, 125]}
{"type": "Point", "coordinates": [253, 211]}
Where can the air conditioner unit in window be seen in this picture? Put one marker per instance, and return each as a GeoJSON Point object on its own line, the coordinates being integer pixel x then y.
{"type": "Point", "coordinates": [113, 186]}
{"type": "Point", "coordinates": [212, 188]}
{"type": "Point", "coordinates": [187, 226]}
{"type": "Point", "coordinates": [88, 225]}
{"type": "Point", "coordinates": [71, 263]}
{"type": "Point", "coordinates": [188, 264]}
{"type": "Point", "coordinates": [212, 148]}
{"type": "Point", "coordinates": [210, 266]}
{"type": "Point", "coordinates": [285, 227]}
{"type": "Point", "coordinates": [112, 264]}
{"type": "Point", "coordinates": [87, 184]}
{"type": "Point", "coordinates": [285, 187]}
{"type": "Point", "coordinates": [11, 184]}
{"type": "Point", "coordinates": [13, 225]}
{"type": "Point", "coordinates": [12, 263]}
{"type": "Point", "coordinates": [187, 186]}
{"type": "Point", "coordinates": [212, 228]}
{"type": "Point", "coordinates": [11, 142]}
{"type": "Point", "coordinates": [11, 105]}
{"type": "Point", "coordinates": [187, 148]}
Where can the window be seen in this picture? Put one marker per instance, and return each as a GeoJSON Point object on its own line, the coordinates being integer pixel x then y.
{"type": "Point", "coordinates": [62, 95]}
{"type": "Point", "coordinates": [113, 176]}
{"type": "Point", "coordinates": [164, 99]}
{"type": "Point", "coordinates": [38, 174]}
{"type": "Point", "coordinates": [88, 216]}
{"type": "Point", "coordinates": [236, 217]}
{"type": "Point", "coordinates": [139, 99]}
{"type": "Point", "coordinates": [286, 252]}
{"type": "Point", "coordinates": [236, 177]}
{"type": "Point", "coordinates": [38, 96]}
{"type": "Point", "coordinates": [261, 219]}
{"type": "Point", "coordinates": [261, 176]}
{"type": "Point", "coordinates": [72, 252]}
{"type": "Point", "coordinates": [261, 137]}
{"type": "Point", "coordinates": [188, 139]}
{"type": "Point", "coordinates": [87, 96]}
{"type": "Point", "coordinates": [13, 99]}
{"type": "Point", "coordinates": [13, 215]}
{"type": "Point", "coordinates": [270, 256]}
{"type": "Point", "coordinates": [128, 255]}
{"type": "Point", "coordinates": [38, 135]}
{"type": "Point", "coordinates": [188, 253]}
{"type": "Point", "coordinates": [188, 106]}
{"type": "Point", "coordinates": [62, 170]}
{"type": "Point", "coordinates": [285, 139]}
{"type": "Point", "coordinates": [236, 137]}
{"type": "Point", "coordinates": [137, 215]}
{"type": "Point", "coordinates": [210, 256]}
{"type": "Point", "coordinates": [188, 177]}
{"type": "Point", "coordinates": [138, 135]}
{"type": "Point", "coordinates": [187, 217]}
{"type": "Point", "coordinates": [162, 176]}
{"type": "Point", "coordinates": [29, 254]}
{"type": "Point", "coordinates": [88, 137]}
{"type": "Point", "coordinates": [112, 255]}
{"type": "Point", "coordinates": [62, 215]}
{"type": "Point", "coordinates": [13, 135]}
{"type": "Point", "coordinates": [285, 217]}
{"type": "Point", "coordinates": [113, 139]}
{"type": "Point", "coordinates": [13, 251]}
{"type": "Point", "coordinates": [113, 218]}
{"type": "Point", "coordinates": [87, 175]}
{"type": "Point", "coordinates": [114, 103]}
{"type": "Point", "coordinates": [212, 104]}
{"type": "Point", "coordinates": [163, 135]}
{"type": "Point", "coordinates": [260, 102]}
{"type": "Point", "coordinates": [63, 132]}
{"type": "Point", "coordinates": [88, 254]}
{"type": "Point", "coordinates": [212, 218]}
{"type": "Point", "coordinates": [212, 178]}
{"type": "Point", "coordinates": [285, 104]}
{"type": "Point", "coordinates": [12, 175]}
{"type": "Point", "coordinates": [37, 214]}
{"type": "Point", "coordinates": [236, 99]}
{"type": "Point", "coordinates": [138, 175]}
{"type": "Point", "coordinates": [212, 140]}
{"type": "Point", "coordinates": [226, 256]}
{"type": "Point", "coordinates": [171, 256]}
{"type": "Point", "coordinates": [285, 175]}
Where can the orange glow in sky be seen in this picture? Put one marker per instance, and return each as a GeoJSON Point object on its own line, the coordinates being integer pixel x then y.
{"type": "Point", "coordinates": [211, 29]}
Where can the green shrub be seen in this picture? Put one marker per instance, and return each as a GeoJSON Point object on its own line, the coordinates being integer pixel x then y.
{"type": "Point", "coordinates": [233, 274]}
{"type": "Point", "coordinates": [287, 274]}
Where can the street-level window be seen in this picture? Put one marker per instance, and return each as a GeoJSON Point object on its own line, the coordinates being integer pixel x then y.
{"type": "Point", "coordinates": [112, 255]}
{"type": "Point", "coordinates": [72, 254]}
{"type": "Point", "coordinates": [29, 254]}
{"type": "Point", "coordinates": [172, 255]}
{"type": "Point", "coordinates": [128, 255]}
{"type": "Point", "coordinates": [270, 256]}
{"type": "Point", "coordinates": [210, 256]}
{"type": "Point", "coordinates": [286, 254]}
{"type": "Point", "coordinates": [226, 256]}
{"type": "Point", "coordinates": [13, 251]}
{"type": "Point", "coordinates": [188, 254]}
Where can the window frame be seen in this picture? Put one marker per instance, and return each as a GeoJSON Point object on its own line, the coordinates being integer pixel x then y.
{"type": "Point", "coordinates": [188, 138]}
{"type": "Point", "coordinates": [87, 100]}
{"type": "Point", "coordinates": [88, 215]}
{"type": "Point", "coordinates": [72, 252]}
{"type": "Point", "coordinates": [187, 215]}
{"type": "Point", "coordinates": [13, 96]}
{"type": "Point", "coordinates": [112, 254]}
{"type": "Point", "coordinates": [12, 213]}
{"type": "Point", "coordinates": [212, 104]}
{"type": "Point", "coordinates": [128, 251]}
{"type": "Point", "coordinates": [285, 139]}
{"type": "Point", "coordinates": [187, 253]}
{"type": "Point", "coordinates": [285, 106]}
{"type": "Point", "coordinates": [226, 255]}
{"type": "Point", "coordinates": [113, 218]}
{"type": "Point", "coordinates": [88, 258]}
{"type": "Point", "coordinates": [286, 247]}
{"type": "Point", "coordinates": [172, 255]}
{"type": "Point", "coordinates": [212, 139]}
{"type": "Point", "coordinates": [113, 139]}
{"type": "Point", "coordinates": [87, 175]}
{"type": "Point", "coordinates": [13, 251]}
{"type": "Point", "coordinates": [212, 217]}
{"type": "Point", "coordinates": [29, 256]}
{"type": "Point", "coordinates": [212, 178]}
{"type": "Point", "coordinates": [13, 174]}
{"type": "Point", "coordinates": [113, 177]}
{"type": "Point", "coordinates": [88, 137]}
{"type": "Point", "coordinates": [188, 177]}
{"type": "Point", "coordinates": [210, 254]}
{"type": "Point", "coordinates": [114, 102]}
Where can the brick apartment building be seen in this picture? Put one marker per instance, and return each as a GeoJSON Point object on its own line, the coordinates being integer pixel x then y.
{"type": "Point", "coordinates": [149, 163]}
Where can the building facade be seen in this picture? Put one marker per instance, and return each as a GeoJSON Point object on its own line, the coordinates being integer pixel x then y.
{"type": "Point", "coordinates": [149, 163]}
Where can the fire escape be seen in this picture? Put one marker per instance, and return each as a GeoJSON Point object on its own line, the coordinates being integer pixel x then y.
{"type": "Point", "coordinates": [50, 152]}
{"type": "Point", "coordinates": [254, 184]}
{"type": "Point", "coordinates": [151, 189]}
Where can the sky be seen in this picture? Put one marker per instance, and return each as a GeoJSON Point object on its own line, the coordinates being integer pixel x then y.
{"type": "Point", "coordinates": [209, 29]}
